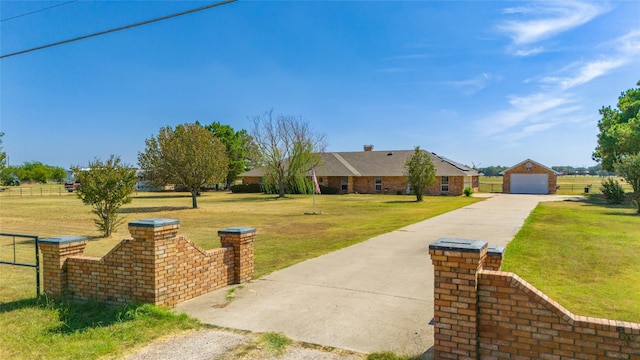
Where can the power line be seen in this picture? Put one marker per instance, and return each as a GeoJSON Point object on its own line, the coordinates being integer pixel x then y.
{"type": "Point", "coordinates": [119, 28]}
{"type": "Point", "coordinates": [37, 11]}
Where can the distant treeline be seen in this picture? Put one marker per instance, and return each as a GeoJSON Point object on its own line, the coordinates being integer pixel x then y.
{"type": "Point", "coordinates": [564, 170]}
{"type": "Point", "coordinates": [35, 172]}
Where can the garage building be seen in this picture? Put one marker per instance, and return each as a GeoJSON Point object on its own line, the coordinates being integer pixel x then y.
{"type": "Point", "coordinates": [529, 177]}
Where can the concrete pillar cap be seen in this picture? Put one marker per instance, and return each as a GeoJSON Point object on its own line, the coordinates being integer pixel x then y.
{"type": "Point", "coordinates": [465, 245]}
{"type": "Point", "coordinates": [63, 239]}
{"type": "Point", "coordinates": [155, 222]}
{"type": "Point", "coordinates": [236, 230]}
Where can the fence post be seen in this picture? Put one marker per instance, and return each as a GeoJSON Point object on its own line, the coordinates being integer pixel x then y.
{"type": "Point", "coordinates": [456, 265]}
{"type": "Point", "coordinates": [241, 240]}
{"type": "Point", "coordinates": [55, 252]}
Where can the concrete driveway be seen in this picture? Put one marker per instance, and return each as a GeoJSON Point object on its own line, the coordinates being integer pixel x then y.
{"type": "Point", "coordinates": [373, 296]}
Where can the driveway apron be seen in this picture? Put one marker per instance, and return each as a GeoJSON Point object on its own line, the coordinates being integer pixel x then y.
{"type": "Point", "coordinates": [372, 296]}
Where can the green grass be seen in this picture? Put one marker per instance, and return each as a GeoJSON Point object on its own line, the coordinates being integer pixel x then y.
{"type": "Point", "coordinates": [274, 343]}
{"type": "Point", "coordinates": [33, 328]}
{"type": "Point", "coordinates": [584, 255]}
{"type": "Point", "coordinates": [47, 329]}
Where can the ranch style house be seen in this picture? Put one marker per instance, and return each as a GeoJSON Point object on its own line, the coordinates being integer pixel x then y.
{"type": "Point", "coordinates": [382, 172]}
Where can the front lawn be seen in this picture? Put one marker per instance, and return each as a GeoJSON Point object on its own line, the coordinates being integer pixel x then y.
{"type": "Point", "coordinates": [584, 255]}
{"type": "Point", "coordinates": [40, 328]}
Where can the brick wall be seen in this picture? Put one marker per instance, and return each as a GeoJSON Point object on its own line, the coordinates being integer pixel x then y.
{"type": "Point", "coordinates": [155, 266]}
{"type": "Point", "coordinates": [483, 313]}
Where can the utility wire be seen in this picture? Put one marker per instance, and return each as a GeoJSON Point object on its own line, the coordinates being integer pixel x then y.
{"type": "Point", "coordinates": [119, 28]}
{"type": "Point", "coordinates": [37, 11]}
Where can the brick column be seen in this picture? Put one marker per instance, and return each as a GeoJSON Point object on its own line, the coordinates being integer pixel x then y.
{"type": "Point", "coordinates": [55, 252]}
{"type": "Point", "coordinates": [456, 264]}
{"type": "Point", "coordinates": [494, 257]}
{"type": "Point", "coordinates": [241, 240]}
{"type": "Point", "coordinates": [152, 249]}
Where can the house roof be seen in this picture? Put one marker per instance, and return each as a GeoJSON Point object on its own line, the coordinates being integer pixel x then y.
{"type": "Point", "coordinates": [530, 161]}
{"type": "Point", "coordinates": [377, 163]}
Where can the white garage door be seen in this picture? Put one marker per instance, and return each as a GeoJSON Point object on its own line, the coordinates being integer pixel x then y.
{"type": "Point", "coordinates": [529, 183]}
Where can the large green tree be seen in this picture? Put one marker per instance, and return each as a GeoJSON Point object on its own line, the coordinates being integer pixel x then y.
{"type": "Point", "coordinates": [287, 149]}
{"type": "Point", "coordinates": [241, 150]}
{"type": "Point", "coordinates": [420, 172]}
{"type": "Point", "coordinates": [628, 167]}
{"type": "Point", "coordinates": [106, 186]}
{"type": "Point", "coordinates": [619, 130]}
{"type": "Point", "coordinates": [188, 156]}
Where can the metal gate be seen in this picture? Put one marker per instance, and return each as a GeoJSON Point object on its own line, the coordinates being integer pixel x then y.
{"type": "Point", "coordinates": [18, 253]}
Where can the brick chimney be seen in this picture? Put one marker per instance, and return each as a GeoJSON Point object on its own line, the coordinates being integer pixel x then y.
{"type": "Point", "coordinates": [368, 147]}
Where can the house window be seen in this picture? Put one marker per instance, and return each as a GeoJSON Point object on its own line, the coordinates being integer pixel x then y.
{"type": "Point", "coordinates": [444, 184]}
{"type": "Point", "coordinates": [378, 185]}
{"type": "Point", "coordinates": [343, 183]}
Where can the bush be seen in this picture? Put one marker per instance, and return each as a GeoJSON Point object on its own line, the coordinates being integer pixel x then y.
{"type": "Point", "coordinates": [467, 191]}
{"type": "Point", "coordinates": [612, 191]}
{"type": "Point", "coordinates": [247, 188]}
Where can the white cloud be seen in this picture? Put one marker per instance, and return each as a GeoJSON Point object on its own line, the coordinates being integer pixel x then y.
{"type": "Point", "coordinates": [475, 84]}
{"type": "Point", "coordinates": [545, 20]}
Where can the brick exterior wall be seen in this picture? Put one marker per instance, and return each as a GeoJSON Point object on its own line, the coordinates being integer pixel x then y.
{"type": "Point", "coordinates": [489, 314]}
{"type": "Point", "coordinates": [535, 169]}
{"type": "Point", "coordinates": [156, 266]}
{"type": "Point", "coordinates": [390, 184]}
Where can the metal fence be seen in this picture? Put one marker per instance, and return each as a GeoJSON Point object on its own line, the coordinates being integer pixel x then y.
{"type": "Point", "coordinates": [22, 191]}
{"type": "Point", "coordinates": [21, 250]}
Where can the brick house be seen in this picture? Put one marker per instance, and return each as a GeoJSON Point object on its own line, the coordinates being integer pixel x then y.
{"type": "Point", "coordinates": [529, 177]}
{"type": "Point", "coordinates": [382, 172]}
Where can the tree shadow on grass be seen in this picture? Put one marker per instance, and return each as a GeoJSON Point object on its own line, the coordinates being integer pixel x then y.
{"type": "Point", "coordinates": [173, 195]}
{"type": "Point", "coordinates": [151, 209]}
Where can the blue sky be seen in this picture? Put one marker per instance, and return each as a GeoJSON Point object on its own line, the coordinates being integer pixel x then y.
{"type": "Point", "coordinates": [480, 82]}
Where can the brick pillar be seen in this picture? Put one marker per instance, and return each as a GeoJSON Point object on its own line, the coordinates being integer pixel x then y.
{"type": "Point", "coordinates": [494, 257]}
{"type": "Point", "coordinates": [55, 252]}
{"type": "Point", "coordinates": [241, 240]}
{"type": "Point", "coordinates": [153, 246]}
{"type": "Point", "coordinates": [456, 264]}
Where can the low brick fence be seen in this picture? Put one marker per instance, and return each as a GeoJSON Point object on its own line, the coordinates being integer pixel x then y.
{"type": "Point", "coordinates": [155, 266]}
{"type": "Point", "coordinates": [483, 313]}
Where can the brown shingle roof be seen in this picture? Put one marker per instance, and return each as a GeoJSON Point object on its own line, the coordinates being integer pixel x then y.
{"type": "Point", "coordinates": [377, 163]}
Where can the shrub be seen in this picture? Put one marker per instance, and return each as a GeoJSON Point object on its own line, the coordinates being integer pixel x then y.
{"type": "Point", "coordinates": [247, 188]}
{"type": "Point", "coordinates": [612, 191]}
{"type": "Point", "coordinates": [467, 191]}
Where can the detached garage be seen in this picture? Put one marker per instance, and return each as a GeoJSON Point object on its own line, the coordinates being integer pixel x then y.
{"type": "Point", "coordinates": [529, 177]}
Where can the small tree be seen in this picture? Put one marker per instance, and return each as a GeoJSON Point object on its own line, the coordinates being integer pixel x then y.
{"type": "Point", "coordinates": [106, 186]}
{"type": "Point", "coordinates": [3, 154]}
{"type": "Point", "coordinates": [629, 168]}
{"type": "Point", "coordinates": [287, 149]}
{"type": "Point", "coordinates": [189, 156]}
{"type": "Point", "coordinates": [612, 191]}
{"type": "Point", "coordinates": [420, 172]}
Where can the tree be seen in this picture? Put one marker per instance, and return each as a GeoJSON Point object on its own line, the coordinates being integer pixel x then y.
{"type": "Point", "coordinates": [287, 149]}
{"type": "Point", "coordinates": [106, 186]}
{"type": "Point", "coordinates": [628, 167]}
{"type": "Point", "coordinates": [189, 156]}
{"type": "Point", "coordinates": [3, 154]}
{"type": "Point", "coordinates": [420, 172]}
{"type": "Point", "coordinates": [240, 149]}
{"type": "Point", "coordinates": [619, 130]}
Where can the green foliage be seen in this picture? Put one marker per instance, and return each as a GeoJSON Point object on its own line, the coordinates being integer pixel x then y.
{"type": "Point", "coordinates": [246, 188]}
{"type": "Point", "coordinates": [274, 343]}
{"type": "Point", "coordinates": [628, 167]}
{"type": "Point", "coordinates": [106, 187]}
{"type": "Point", "coordinates": [288, 150]}
{"type": "Point", "coordinates": [387, 355]}
{"type": "Point", "coordinates": [619, 130]}
{"type": "Point", "coordinates": [189, 157]}
{"type": "Point", "coordinates": [467, 191]}
{"type": "Point", "coordinates": [241, 149]}
{"type": "Point", "coordinates": [420, 172]}
{"type": "Point", "coordinates": [3, 155]}
{"type": "Point", "coordinates": [492, 170]}
{"type": "Point", "coordinates": [35, 171]}
{"type": "Point", "coordinates": [329, 190]}
{"type": "Point", "coordinates": [612, 191]}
